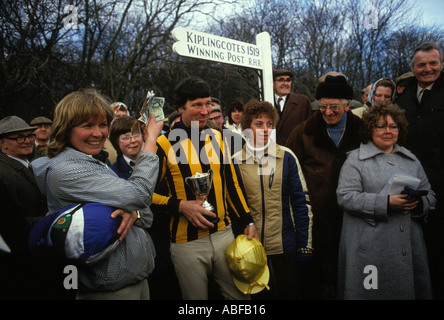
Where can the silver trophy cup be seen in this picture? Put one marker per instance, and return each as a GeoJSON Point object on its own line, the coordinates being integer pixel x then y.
{"type": "Point", "coordinates": [201, 183]}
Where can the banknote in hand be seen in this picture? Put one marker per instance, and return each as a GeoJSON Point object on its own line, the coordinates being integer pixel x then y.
{"type": "Point", "coordinates": [152, 105]}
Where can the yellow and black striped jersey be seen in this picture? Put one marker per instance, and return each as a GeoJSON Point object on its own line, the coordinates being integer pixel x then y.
{"type": "Point", "coordinates": [182, 153]}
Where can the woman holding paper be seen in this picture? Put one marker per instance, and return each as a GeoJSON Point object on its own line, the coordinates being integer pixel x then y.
{"type": "Point", "coordinates": [382, 251]}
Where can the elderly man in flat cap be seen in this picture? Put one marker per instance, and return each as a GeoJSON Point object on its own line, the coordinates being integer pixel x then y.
{"type": "Point", "coordinates": [22, 276]}
{"type": "Point", "coordinates": [42, 135]}
{"type": "Point", "coordinates": [321, 144]}
{"type": "Point", "coordinates": [292, 108]}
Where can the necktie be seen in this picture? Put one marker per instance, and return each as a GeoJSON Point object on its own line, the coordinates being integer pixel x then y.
{"type": "Point", "coordinates": [281, 108]}
{"type": "Point", "coordinates": [423, 93]}
{"type": "Point", "coordinates": [420, 95]}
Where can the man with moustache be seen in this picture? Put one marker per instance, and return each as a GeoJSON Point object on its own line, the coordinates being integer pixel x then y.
{"type": "Point", "coordinates": [292, 108]}
{"type": "Point", "coordinates": [321, 144]}
{"type": "Point", "coordinates": [423, 102]}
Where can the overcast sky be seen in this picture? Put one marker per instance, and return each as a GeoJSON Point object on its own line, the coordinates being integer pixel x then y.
{"type": "Point", "coordinates": [433, 11]}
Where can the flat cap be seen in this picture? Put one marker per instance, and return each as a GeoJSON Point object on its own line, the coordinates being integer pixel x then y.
{"type": "Point", "coordinates": [282, 72]}
{"type": "Point", "coordinates": [40, 120]}
{"type": "Point", "coordinates": [214, 109]}
{"type": "Point", "coordinates": [13, 124]}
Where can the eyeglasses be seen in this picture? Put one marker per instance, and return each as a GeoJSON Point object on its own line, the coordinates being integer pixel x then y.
{"type": "Point", "coordinates": [283, 80]}
{"type": "Point", "coordinates": [21, 138]}
{"type": "Point", "coordinates": [214, 118]}
{"type": "Point", "coordinates": [333, 107]}
{"type": "Point", "coordinates": [383, 127]}
{"type": "Point", "coordinates": [127, 139]}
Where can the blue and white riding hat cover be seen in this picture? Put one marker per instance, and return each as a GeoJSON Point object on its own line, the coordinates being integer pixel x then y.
{"type": "Point", "coordinates": [80, 233]}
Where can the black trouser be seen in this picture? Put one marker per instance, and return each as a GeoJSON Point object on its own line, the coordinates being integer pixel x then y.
{"type": "Point", "coordinates": [285, 278]}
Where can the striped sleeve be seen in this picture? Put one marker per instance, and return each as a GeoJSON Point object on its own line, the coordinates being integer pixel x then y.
{"type": "Point", "coordinates": [236, 194]}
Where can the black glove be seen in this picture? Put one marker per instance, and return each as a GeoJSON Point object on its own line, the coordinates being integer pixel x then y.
{"type": "Point", "coordinates": [414, 194]}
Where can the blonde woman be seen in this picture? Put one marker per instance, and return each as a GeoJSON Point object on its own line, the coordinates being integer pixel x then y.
{"type": "Point", "coordinates": [72, 174]}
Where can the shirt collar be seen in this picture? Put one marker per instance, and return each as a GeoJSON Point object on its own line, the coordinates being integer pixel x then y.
{"type": "Point", "coordinates": [128, 160]}
{"type": "Point", "coordinates": [419, 89]}
{"type": "Point", "coordinates": [276, 97]}
{"type": "Point", "coordinates": [24, 162]}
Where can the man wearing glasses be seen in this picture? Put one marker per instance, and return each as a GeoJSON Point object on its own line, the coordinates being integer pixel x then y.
{"type": "Point", "coordinates": [22, 276]}
{"type": "Point", "coordinates": [235, 140]}
{"type": "Point", "coordinates": [292, 108]}
{"type": "Point", "coordinates": [321, 144]}
{"type": "Point", "coordinates": [17, 139]}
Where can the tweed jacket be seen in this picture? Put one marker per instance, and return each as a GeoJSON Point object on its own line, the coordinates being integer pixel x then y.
{"type": "Point", "coordinates": [22, 203]}
{"type": "Point", "coordinates": [372, 234]}
{"type": "Point", "coordinates": [297, 109]}
{"type": "Point", "coordinates": [22, 206]}
{"type": "Point", "coordinates": [321, 162]}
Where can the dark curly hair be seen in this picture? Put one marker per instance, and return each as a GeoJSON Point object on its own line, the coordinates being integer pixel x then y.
{"type": "Point", "coordinates": [372, 115]}
{"type": "Point", "coordinates": [254, 108]}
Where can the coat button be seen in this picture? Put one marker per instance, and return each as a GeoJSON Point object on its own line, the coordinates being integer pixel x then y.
{"type": "Point", "coordinates": [404, 252]}
{"type": "Point", "coordinates": [401, 227]}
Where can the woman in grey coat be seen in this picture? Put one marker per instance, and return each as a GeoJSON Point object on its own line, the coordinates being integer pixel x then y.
{"type": "Point", "coordinates": [382, 251]}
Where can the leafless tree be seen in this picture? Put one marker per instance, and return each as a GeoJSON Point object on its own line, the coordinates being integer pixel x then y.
{"type": "Point", "coordinates": [124, 47]}
{"type": "Point", "coordinates": [48, 51]}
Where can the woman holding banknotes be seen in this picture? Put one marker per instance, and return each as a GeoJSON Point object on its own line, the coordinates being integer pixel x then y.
{"type": "Point", "coordinates": [72, 174]}
{"type": "Point", "coordinates": [382, 251]}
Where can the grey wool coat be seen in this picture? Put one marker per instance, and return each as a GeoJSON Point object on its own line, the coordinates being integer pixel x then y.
{"type": "Point", "coordinates": [390, 243]}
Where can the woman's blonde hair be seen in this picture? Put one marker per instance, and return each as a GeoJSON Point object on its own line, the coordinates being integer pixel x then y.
{"type": "Point", "coordinates": [73, 110]}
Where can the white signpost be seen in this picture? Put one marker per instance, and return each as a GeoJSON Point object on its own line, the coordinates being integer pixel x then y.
{"type": "Point", "coordinates": [200, 45]}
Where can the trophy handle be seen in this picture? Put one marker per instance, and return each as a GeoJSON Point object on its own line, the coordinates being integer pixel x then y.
{"type": "Point", "coordinates": [188, 184]}
{"type": "Point", "coordinates": [211, 177]}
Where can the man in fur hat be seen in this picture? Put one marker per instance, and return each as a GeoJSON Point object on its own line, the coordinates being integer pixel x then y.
{"type": "Point", "coordinates": [321, 143]}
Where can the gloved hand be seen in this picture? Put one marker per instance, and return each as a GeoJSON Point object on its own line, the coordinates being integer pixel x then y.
{"type": "Point", "coordinates": [414, 194]}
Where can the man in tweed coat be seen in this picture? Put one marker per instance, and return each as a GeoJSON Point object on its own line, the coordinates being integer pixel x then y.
{"type": "Point", "coordinates": [22, 276]}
